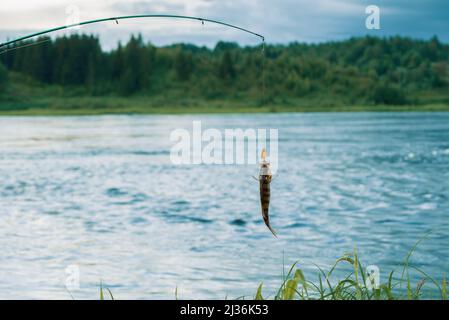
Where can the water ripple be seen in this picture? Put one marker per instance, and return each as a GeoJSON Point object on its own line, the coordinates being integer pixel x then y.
{"type": "Point", "coordinates": [102, 194]}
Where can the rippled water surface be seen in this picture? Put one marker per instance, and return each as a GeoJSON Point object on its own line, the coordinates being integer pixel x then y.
{"type": "Point", "coordinates": [101, 193]}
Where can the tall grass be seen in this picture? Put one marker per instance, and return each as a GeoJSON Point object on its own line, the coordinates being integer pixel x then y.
{"type": "Point", "coordinates": [357, 285]}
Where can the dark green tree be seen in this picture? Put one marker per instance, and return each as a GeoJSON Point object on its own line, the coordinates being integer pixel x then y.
{"type": "Point", "coordinates": [184, 65]}
{"type": "Point", "coordinates": [3, 78]}
{"type": "Point", "coordinates": [226, 70]}
{"type": "Point", "coordinates": [440, 74]}
{"type": "Point", "coordinates": [133, 75]}
{"type": "Point", "coordinates": [389, 95]}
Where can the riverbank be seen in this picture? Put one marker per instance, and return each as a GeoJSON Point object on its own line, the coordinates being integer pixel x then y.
{"type": "Point", "coordinates": [25, 96]}
{"type": "Point", "coordinates": [61, 106]}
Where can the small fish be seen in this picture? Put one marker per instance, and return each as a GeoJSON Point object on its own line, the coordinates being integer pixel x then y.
{"type": "Point", "coordinates": [265, 178]}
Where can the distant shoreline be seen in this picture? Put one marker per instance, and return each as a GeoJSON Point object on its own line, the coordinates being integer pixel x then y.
{"type": "Point", "coordinates": [201, 109]}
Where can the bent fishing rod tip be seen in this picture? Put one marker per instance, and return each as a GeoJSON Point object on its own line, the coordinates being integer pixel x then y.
{"type": "Point", "coordinates": [116, 18]}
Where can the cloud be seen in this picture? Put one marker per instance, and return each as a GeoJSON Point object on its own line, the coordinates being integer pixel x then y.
{"type": "Point", "coordinates": [280, 21]}
{"type": "Point", "coordinates": [158, 6]}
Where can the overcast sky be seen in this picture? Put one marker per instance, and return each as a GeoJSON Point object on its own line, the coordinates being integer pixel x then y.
{"type": "Point", "coordinates": [281, 21]}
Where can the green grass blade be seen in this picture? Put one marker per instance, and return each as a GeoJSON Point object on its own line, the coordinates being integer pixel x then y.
{"type": "Point", "coordinates": [409, 287]}
{"type": "Point", "coordinates": [322, 290]}
{"type": "Point", "coordinates": [101, 291]}
{"type": "Point", "coordinates": [444, 289]}
{"type": "Point", "coordinates": [409, 255]}
{"type": "Point", "coordinates": [290, 289]}
{"type": "Point", "coordinates": [281, 289]}
{"type": "Point", "coordinates": [345, 258]}
{"type": "Point", "coordinates": [110, 294]}
{"type": "Point", "coordinates": [387, 290]}
{"type": "Point", "coordinates": [259, 293]}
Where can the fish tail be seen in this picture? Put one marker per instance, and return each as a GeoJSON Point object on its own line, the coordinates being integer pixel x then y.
{"type": "Point", "coordinates": [272, 230]}
{"type": "Point", "coordinates": [266, 219]}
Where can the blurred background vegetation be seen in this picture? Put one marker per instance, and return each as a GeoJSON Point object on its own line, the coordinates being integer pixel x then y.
{"type": "Point", "coordinates": [73, 73]}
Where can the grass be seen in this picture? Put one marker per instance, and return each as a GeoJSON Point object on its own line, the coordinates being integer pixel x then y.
{"type": "Point", "coordinates": [27, 97]}
{"type": "Point", "coordinates": [355, 285]}
{"type": "Point", "coordinates": [75, 106]}
{"type": "Point", "coordinates": [102, 292]}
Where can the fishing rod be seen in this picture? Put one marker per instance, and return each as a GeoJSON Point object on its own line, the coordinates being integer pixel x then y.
{"type": "Point", "coordinates": [5, 45]}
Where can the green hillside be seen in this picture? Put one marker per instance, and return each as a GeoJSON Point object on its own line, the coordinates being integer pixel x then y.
{"type": "Point", "coordinates": [74, 75]}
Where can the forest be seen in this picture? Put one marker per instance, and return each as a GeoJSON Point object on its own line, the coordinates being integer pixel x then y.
{"type": "Point", "coordinates": [366, 71]}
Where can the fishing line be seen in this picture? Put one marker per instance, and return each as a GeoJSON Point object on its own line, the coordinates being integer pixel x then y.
{"type": "Point", "coordinates": [23, 46]}
{"type": "Point", "coordinates": [264, 56]}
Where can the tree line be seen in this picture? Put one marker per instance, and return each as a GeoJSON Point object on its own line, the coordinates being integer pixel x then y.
{"type": "Point", "coordinates": [357, 70]}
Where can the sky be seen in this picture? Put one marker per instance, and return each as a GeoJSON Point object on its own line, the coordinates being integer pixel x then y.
{"type": "Point", "coordinates": [280, 21]}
